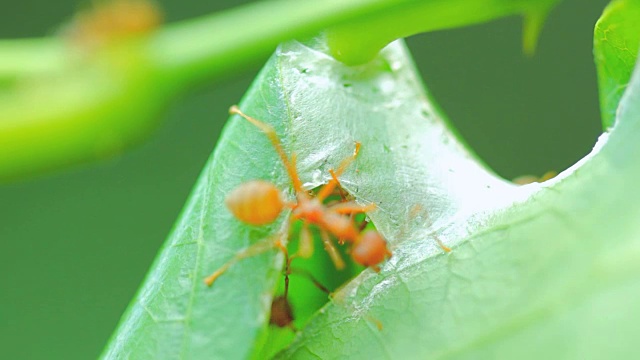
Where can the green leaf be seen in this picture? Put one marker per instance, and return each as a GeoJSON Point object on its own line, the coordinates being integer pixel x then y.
{"type": "Point", "coordinates": [616, 39]}
{"type": "Point", "coordinates": [357, 42]}
{"type": "Point", "coordinates": [175, 315]}
{"type": "Point", "coordinates": [65, 110]}
{"type": "Point", "coordinates": [542, 270]}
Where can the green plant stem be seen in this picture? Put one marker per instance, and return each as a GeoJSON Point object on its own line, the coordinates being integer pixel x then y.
{"type": "Point", "coordinates": [201, 48]}
{"type": "Point", "coordinates": [59, 106]}
{"type": "Point", "coordinates": [208, 46]}
{"type": "Point", "coordinates": [357, 42]}
{"type": "Point", "coordinates": [30, 57]}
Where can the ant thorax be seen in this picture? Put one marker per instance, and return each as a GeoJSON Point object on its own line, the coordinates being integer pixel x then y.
{"type": "Point", "coordinates": [340, 226]}
{"type": "Point", "coordinates": [310, 210]}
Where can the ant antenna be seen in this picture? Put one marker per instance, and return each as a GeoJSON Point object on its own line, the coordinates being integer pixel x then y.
{"type": "Point", "coordinates": [273, 137]}
{"type": "Point", "coordinates": [331, 185]}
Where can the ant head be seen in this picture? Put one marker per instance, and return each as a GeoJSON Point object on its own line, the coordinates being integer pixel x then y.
{"type": "Point", "coordinates": [370, 249]}
{"type": "Point", "coordinates": [255, 202]}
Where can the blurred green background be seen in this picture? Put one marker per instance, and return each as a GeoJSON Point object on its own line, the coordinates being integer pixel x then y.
{"type": "Point", "coordinates": [75, 244]}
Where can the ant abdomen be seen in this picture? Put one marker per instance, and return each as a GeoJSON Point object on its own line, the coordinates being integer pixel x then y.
{"type": "Point", "coordinates": [255, 202]}
{"type": "Point", "coordinates": [281, 313]}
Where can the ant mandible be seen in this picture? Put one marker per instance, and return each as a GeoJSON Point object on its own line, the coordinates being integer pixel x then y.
{"type": "Point", "coordinates": [259, 202]}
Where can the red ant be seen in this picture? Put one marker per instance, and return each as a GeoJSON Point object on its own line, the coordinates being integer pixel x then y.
{"type": "Point", "coordinates": [112, 20]}
{"type": "Point", "coordinates": [259, 202]}
{"type": "Point", "coordinates": [529, 179]}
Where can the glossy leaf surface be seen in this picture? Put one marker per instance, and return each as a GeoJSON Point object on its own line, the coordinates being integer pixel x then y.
{"type": "Point", "coordinates": [541, 270]}
{"type": "Point", "coordinates": [616, 39]}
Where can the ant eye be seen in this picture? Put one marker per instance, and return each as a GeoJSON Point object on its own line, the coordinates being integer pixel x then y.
{"type": "Point", "coordinates": [255, 202]}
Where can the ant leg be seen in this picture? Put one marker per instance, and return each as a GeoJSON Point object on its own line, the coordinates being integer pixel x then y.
{"type": "Point", "coordinates": [281, 310]}
{"type": "Point", "coordinates": [275, 141]}
{"type": "Point", "coordinates": [341, 192]}
{"type": "Point", "coordinates": [331, 250]}
{"type": "Point", "coordinates": [253, 250]}
{"type": "Point", "coordinates": [363, 225]}
{"type": "Point", "coordinates": [547, 176]}
{"type": "Point", "coordinates": [351, 207]}
{"type": "Point", "coordinates": [328, 188]}
{"type": "Point", "coordinates": [444, 247]}
{"type": "Point", "coordinates": [417, 210]}
{"type": "Point", "coordinates": [287, 266]}
{"type": "Point", "coordinates": [311, 278]}
{"type": "Point", "coordinates": [346, 203]}
{"type": "Point", "coordinates": [332, 298]}
{"type": "Point", "coordinates": [305, 245]}
{"type": "Point", "coordinates": [346, 162]}
{"type": "Point", "coordinates": [338, 300]}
